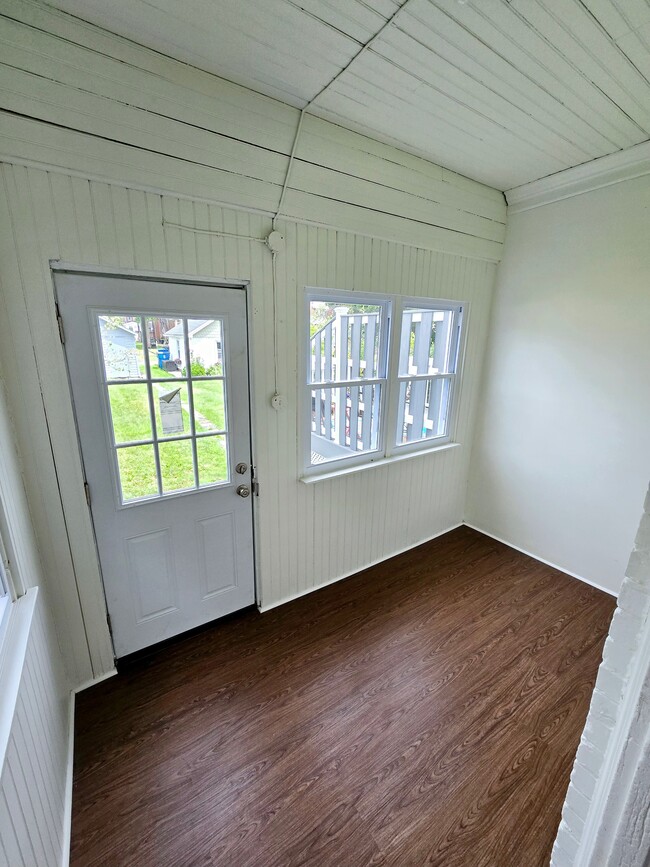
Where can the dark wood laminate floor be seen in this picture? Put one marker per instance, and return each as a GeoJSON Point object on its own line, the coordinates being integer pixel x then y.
{"type": "Point", "coordinates": [425, 711]}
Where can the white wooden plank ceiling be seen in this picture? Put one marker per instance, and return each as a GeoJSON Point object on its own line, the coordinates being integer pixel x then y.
{"type": "Point", "coordinates": [502, 91]}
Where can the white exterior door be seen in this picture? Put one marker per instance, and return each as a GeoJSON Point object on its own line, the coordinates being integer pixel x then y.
{"type": "Point", "coordinates": [166, 448]}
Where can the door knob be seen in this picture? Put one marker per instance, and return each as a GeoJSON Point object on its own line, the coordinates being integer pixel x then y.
{"type": "Point", "coordinates": [244, 491]}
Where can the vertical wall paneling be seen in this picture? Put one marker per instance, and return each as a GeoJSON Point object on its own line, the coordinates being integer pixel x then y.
{"type": "Point", "coordinates": [15, 524]}
{"type": "Point", "coordinates": [29, 227]}
{"type": "Point", "coordinates": [35, 778]}
{"type": "Point", "coordinates": [35, 765]}
{"type": "Point", "coordinates": [306, 534]}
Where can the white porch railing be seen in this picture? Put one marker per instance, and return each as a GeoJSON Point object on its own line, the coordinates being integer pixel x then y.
{"type": "Point", "coordinates": [345, 418]}
{"type": "Point", "coordinates": [422, 402]}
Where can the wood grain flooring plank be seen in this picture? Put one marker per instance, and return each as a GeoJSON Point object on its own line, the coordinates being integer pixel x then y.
{"type": "Point", "coordinates": [424, 711]}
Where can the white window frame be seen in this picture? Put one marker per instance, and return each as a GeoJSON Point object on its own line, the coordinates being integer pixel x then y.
{"type": "Point", "coordinates": [7, 590]}
{"type": "Point", "coordinates": [387, 449]}
{"type": "Point", "coordinates": [458, 309]}
{"type": "Point", "coordinates": [385, 302]}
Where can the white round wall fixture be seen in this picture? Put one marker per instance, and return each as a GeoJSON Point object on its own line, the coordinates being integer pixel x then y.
{"type": "Point", "coordinates": [275, 242]}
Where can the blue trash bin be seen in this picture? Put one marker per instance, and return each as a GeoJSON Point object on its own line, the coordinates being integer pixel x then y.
{"type": "Point", "coordinates": [163, 356]}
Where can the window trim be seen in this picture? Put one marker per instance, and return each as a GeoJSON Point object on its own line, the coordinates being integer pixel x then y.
{"type": "Point", "coordinates": [5, 605]}
{"type": "Point", "coordinates": [8, 593]}
{"type": "Point", "coordinates": [388, 450]}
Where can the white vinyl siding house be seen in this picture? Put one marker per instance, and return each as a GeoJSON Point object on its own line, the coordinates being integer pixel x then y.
{"type": "Point", "coordinates": [205, 340]}
{"type": "Point", "coordinates": [119, 349]}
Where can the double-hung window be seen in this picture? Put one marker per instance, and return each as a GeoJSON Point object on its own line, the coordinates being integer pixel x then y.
{"type": "Point", "coordinates": [381, 376]}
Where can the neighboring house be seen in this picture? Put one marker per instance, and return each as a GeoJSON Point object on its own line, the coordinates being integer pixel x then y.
{"type": "Point", "coordinates": [134, 326]}
{"type": "Point", "coordinates": [157, 327]}
{"type": "Point", "coordinates": [119, 349]}
{"type": "Point", "coordinates": [205, 342]}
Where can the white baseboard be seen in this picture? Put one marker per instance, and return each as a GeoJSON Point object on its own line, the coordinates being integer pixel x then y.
{"type": "Point", "coordinates": [94, 680]}
{"type": "Point", "coordinates": [271, 605]}
{"type": "Point", "coordinates": [541, 559]}
{"type": "Point", "coordinates": [67, 816]}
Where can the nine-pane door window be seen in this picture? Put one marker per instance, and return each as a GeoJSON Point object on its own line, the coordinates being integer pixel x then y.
{"type": "Point", "coordinates": [165, 386]}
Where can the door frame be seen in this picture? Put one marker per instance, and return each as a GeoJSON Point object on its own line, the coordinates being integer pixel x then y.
{"type": "Point", "coordinates": [61, 266]}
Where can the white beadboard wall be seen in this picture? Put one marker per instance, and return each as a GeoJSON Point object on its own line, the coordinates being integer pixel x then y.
{"type": "Point", "coordinates": [35, 779]}
{"type": "Point", "coordinates": [307, 534]}
{"type": "Point", "coordinates": [35, 768]}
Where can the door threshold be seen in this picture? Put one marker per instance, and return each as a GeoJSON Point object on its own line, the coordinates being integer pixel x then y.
{"type": "Point", "coordinates": [140, 658]}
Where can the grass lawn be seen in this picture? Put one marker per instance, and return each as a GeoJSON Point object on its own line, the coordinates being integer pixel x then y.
{"type": "Point", "coordinates": [153, 364]}
{"type": "Point", "coordinates": [131, 422]}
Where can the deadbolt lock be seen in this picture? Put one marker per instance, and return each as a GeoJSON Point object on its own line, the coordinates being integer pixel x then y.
{"type": "Point", "coordinates": [241, 468]}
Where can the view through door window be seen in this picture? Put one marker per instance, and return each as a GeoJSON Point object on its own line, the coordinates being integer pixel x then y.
{"type": "Point", "coordinates": [165, 385]}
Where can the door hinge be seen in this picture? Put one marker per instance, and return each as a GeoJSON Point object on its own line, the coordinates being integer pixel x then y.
{"type": "Point", "coordinates": [59, 320]}
{"type": "Point", "coordinates": [87, 493]}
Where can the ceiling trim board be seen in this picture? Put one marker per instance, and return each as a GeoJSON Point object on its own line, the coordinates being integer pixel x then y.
{"type": "Point", "coordinates": [625, 165]}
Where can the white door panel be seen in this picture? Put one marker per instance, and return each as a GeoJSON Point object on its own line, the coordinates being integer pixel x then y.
{"type": "Point", "coordinates": [161, 440]}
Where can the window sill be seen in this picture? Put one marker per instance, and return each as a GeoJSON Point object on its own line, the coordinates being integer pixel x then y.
{"type": "Point", "coordinates": [13, 650]}
{"type": "Point", "coordinates": [382, 462]}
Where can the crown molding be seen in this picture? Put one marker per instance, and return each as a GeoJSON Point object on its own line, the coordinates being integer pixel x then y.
{"type": "Point", "coordinates": [603, 172]}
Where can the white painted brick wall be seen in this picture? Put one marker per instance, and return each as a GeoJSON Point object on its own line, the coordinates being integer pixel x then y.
{"type": "Point", "coordinates": [630, 619]}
